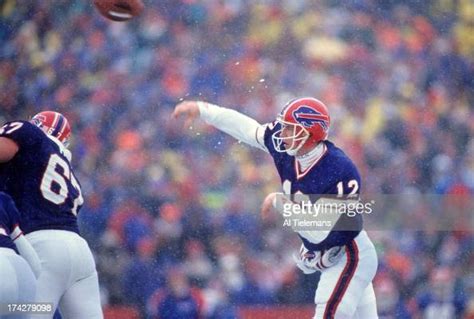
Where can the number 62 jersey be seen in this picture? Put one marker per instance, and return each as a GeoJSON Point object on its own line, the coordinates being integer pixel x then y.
{"type": "Point", "coordinates": [40, 179]}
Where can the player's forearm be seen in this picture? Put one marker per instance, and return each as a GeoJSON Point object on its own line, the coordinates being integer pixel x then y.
{"type": "Point", "coordinates": [8, 149]}
{"type": "Point", "coordinates": [26, 250]}
{"type": "Point", "coordinates": [237, 125]}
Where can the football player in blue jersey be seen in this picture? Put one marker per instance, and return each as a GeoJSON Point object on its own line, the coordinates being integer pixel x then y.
{"type": "Point", "coordinates": [36, 172]}
{"type": "Point", "coordinates": [310, 164]}
{"type": "Point", "coordinates": [17, 274]}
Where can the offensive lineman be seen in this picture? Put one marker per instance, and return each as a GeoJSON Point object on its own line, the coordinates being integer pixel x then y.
{"type": "Point", "coordinates": [309, 164]}
{"type": "Point", "coordinates": [18, 283]}
{"type": "Point", "coordinates": [38, 175]}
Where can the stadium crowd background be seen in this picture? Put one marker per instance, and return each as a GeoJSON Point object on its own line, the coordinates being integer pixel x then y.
{"type": "Point", "coordinates": [169, 208]}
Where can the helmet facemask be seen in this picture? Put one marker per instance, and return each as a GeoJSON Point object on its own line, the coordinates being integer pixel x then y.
{"type": "Point", "coordinates": [290, 144]}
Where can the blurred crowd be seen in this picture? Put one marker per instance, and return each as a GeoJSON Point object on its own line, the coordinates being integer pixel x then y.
{"type": "Point", "coordinates": [172, 213]}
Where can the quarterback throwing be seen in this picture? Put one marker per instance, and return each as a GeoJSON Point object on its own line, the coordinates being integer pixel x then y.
{"type": "Point", "coordinates": [309, 164]}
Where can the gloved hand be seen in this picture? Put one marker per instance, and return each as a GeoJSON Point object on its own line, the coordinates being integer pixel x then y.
{"type": "Point", "coordinates": [307, 260]}
{"type": "Point", "coordinates": [331, 256]}
{"type": "Point", "coordinates": [312, 261]}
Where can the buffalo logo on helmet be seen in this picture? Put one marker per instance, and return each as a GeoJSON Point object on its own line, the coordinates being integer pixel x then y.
{"type": "Point", "coordinates": [308, 117]}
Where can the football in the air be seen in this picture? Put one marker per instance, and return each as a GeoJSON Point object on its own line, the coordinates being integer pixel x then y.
{"type": "Point", "coordinates": [119, 10]}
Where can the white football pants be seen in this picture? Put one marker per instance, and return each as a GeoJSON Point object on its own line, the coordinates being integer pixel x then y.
{"type": "Point", "coordinates": [17, 281]}
{"type": "Point", "coordinates": [68, 277]}
{"type": "Point", "coordinates": [345, 290]}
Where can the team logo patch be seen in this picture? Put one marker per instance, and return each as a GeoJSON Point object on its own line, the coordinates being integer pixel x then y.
{"type": "Point", "coordinates": [308, 117]}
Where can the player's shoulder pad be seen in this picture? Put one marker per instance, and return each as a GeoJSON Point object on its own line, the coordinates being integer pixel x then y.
{"type": "Point", "coordinates": [16, 125]}
{"type": "Point", "coordinates": [340, 159]}
{"type": "Point", "coordinates": [24, 133]}
{"type": "Point", "coordinates": [341, 171]}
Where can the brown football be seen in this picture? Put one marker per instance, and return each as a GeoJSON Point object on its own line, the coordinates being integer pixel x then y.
{"type": "Point", "coordinates": [119, 10]}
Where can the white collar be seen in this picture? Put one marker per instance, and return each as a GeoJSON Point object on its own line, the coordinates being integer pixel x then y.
{"type": "Point", "coordinates": [309, 159]}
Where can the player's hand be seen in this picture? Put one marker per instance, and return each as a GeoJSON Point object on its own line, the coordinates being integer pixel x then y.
{"type": "Point", "coordinates": [312, 261]}
{"type": "Point", "coordinates": [306, 260]}
{"type": "Point", "coordinates": [267, 206]}
{"type": "Point", "coordinates": [189, 109]}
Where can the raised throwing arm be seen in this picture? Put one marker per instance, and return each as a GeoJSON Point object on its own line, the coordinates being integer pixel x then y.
{"type": "Point", "coordinates": [237, 125]}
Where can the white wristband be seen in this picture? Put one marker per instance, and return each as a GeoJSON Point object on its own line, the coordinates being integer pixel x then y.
{"type": "Point", "coordinates": [16, 233]}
